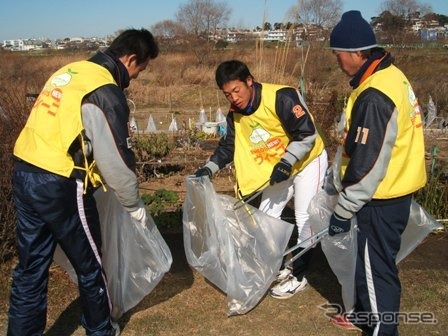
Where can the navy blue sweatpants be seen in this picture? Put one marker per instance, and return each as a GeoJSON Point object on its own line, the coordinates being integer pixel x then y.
{"type": "Point", "coordinates": [378, 289]}
{"type": "Point", "coordinates": [51, 209]}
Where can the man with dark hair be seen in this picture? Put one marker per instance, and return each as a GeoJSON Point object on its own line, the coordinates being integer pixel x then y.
{"type": "Point", "coordinates": [383, 164]}
{"type": "Point", "coordinates": [271, 136]}
{"type": "Point", "coordinates": [75, 139]}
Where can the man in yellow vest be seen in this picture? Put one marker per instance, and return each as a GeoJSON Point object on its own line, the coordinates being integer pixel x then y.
{"type": "Point", "coordinates": [271, 136]}
{"type": "Point", "coordinates": [383, 164]}
{"type": "Point", "coordinates": [75, 139]}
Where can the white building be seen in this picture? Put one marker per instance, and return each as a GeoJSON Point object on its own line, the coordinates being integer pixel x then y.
{"type": "Point", "coordinates": [22, 45]}
{"type": "Point", "coordinates": [231, 36]}
{"type": "Point", "coordinates": [276, 35]}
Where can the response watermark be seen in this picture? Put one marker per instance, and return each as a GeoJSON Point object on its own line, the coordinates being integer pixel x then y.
{"type": "Point", "coordinates": [371, 319]}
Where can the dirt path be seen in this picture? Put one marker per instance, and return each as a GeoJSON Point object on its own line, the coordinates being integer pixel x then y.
{"type": "Point", "coordinates": [184, 303]}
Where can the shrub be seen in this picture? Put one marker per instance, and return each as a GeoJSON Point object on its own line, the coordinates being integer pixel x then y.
{"type": "Point", "coordinates": [160, 200]}
{"type": "Point", "coordinates": [13, 112]}
{"type": "Point", "coordinates": [164, 206]}
{"type": "Point", "coordinates": [434, 196]}
{"type": "Point", "coordinates": [152, 146]}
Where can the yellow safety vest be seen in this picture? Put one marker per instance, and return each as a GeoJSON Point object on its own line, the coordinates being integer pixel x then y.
{"type": "Point", "coordinates": [55, 119]}
{"type": "Point", "coordinates": [406, 172]}
{"type": "Point", "coordinates": [260, 142]}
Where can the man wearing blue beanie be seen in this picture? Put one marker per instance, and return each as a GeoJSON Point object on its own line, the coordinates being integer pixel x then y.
{"type": "Point", "coordinates": [382, 165]}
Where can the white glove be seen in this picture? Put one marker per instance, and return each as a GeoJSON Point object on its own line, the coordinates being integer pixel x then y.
{"type": "Point", "coordinates": [139, 215]}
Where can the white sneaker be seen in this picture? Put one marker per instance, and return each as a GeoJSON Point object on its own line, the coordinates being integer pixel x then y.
{"type": "Point", "coordinates": [116, 328]}
{"type": "Point", "coordinates": [288, 287]}
{"type": "Point", "coordinates": [283, 274]}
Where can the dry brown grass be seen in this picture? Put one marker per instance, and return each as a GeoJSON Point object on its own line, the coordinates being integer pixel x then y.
{"type": "Point", "coordinates": [184, 303]}
{"type": "Point", "coordinates": [427, 70]}
{"type": "Point", "coordinates": [178, 85]}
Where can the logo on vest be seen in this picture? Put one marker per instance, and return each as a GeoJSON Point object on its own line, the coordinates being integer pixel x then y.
{"type": "Point", "coordinates": [63, 79]}
{"type": "Point", "coordinates": [416, 115]}
{"type": "Point", "coordinates": [264, 146]}
{"type": "Point", "coordinates": [259, 135]}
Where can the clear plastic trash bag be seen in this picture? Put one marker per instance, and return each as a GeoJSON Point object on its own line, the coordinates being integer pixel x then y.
{"type": "Point", "coordinates": [219, 117]}
{"type": "Point", "coordinates": [202, 116]}
{"type": "Point", "coordinates": [151, 127]}
{"type": "Point", "coordinates": [341, 249]}
{"type": "Point", "coordinates": [173, 126]}
{"type": "Point", "coordinates": [134, 258]}
{"type": "Point", "coordinates": [238, 250]}
{"type": "Point", "coordinates": [420, 224]}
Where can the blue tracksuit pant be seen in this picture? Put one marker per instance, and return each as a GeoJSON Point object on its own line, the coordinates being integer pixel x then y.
{"type": "Point", "coordinates": [52, 209]}
{"type": "Point", "coordinates": [378, 289]}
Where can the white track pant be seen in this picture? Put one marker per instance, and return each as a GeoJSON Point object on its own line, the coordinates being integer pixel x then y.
{"type": "Point", "coordinates": [303, 187]}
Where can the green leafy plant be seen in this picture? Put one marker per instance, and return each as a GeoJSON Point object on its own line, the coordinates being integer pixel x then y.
{"type": "Point", "coordinates": [165, 208]}
{"type": "Point", "coordinates": [170, 221]}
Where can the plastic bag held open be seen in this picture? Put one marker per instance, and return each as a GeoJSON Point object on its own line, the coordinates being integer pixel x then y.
{"type": "Point", "coordinates": [134, 258]}
{"type": "Point", "coordinates": [238, 250]}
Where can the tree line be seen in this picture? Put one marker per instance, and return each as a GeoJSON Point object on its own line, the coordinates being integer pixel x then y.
{"type": "Point", "coordinates": [203, 18]}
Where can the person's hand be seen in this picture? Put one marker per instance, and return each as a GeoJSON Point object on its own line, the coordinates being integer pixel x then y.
{"type": "Point", "coordinates": [139, 216]}
{"type": "Point", "coordinates": [281, 172]}
{"type": "Point", "coordinates": [204, 171]}
{"type": "Point", "coordinates": [338, 225]}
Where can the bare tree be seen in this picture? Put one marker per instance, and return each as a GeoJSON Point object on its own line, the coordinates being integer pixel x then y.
{"type": "Point", "coordinates": [202, 17]}
{"type": "Point", "coordinates": [405, 8]}
{"type": "Point", "coordinates": [168, 29]}
{"type": "Point", "coordinates": [323, 13]}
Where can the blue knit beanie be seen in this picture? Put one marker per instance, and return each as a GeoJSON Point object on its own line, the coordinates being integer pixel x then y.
{"type": "Point", "coordinates": [352, 33]}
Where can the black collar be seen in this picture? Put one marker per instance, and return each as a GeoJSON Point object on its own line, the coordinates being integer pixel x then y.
{"type": "Point", "coordinates": [112, 63]}
{"type": "Point", "coordinates": [387, 61]}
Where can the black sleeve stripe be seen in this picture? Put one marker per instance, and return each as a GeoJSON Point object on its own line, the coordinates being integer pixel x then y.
{"type": "Point", "coordinates": [371, 114]}
{"type": "Point", "coordinates": [297, 126]}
